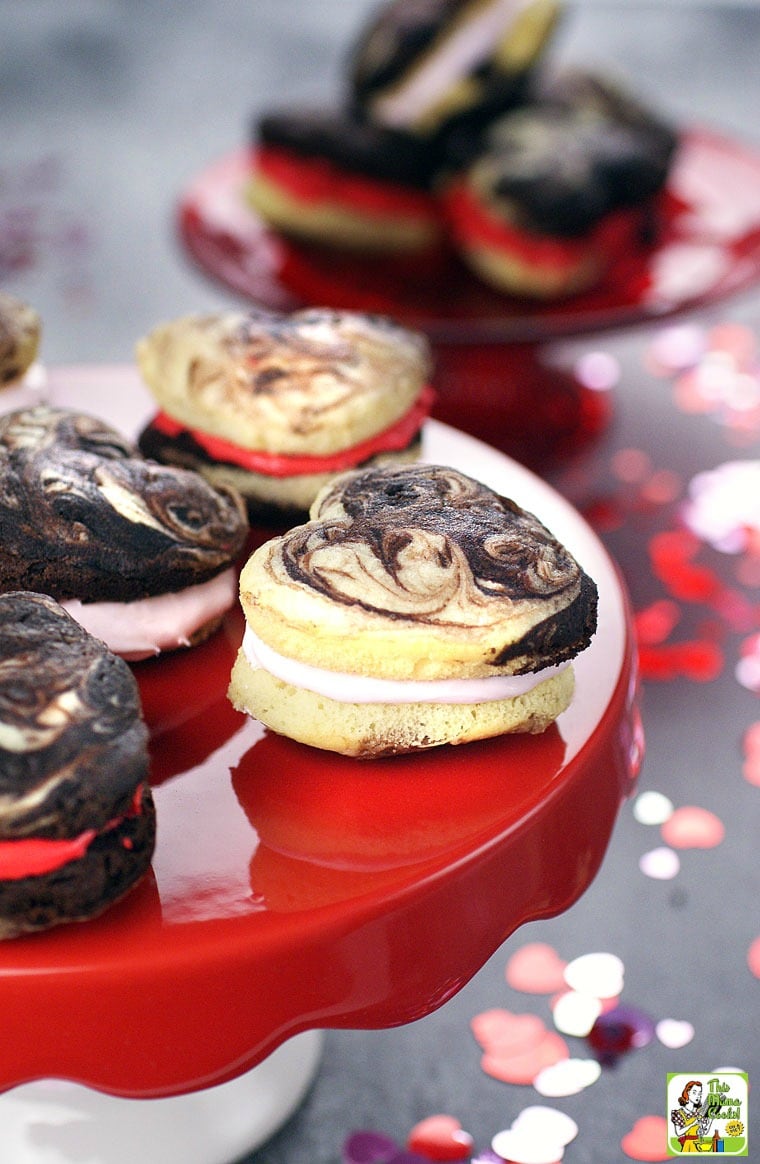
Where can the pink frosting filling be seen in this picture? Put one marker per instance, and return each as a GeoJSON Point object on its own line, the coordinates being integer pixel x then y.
{"type": "Point", "coordinates": [140, 629]}
{"type": "Point", "coordinates": [345, 688]}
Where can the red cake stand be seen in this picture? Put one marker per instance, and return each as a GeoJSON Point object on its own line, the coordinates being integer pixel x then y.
{"type": "Point", "coordinates": [294, 890]}
{"type": "Point", "coordinates": [495, 374]}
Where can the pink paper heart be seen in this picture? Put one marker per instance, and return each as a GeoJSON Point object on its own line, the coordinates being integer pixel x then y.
{"type": "Point", "coordinates": [500, 1030]}
{"type": "Point", "coordinates": [647, 1139]}
{"type": "Point", "coordinates": [536, 969]}
{"type": "Point", "coordinates": [440, 1137]}
{"type": "Point", "coordinates": [692, 827]}
{"type": "Point", "coordinates": [753, 957]}
{"type": "Point", "coordinates": [524, 1066]}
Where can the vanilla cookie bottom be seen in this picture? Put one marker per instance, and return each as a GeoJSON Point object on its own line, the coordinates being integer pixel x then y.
{"type": "Point", "coordinates": [367, 730]}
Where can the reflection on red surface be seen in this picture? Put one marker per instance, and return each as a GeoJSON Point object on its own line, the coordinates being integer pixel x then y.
{"type": "Point", "coordinates": [293, 888]}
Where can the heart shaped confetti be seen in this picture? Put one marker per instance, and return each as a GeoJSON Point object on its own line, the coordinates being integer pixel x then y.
{"type": "Point", "coordinates": [510, 1034]}
{"type": "Point", "coordinates": [367, 1147]}
{"type": "Point", "coordinates": [440, 1137]}
{"type": "Point", "coordinates": [674, 1033]}
{"type": "Point", "coordinates": [538, 1135]}
{"type": "Point", "coordinates": [753, 957]}
{"type": "Point", "coordinates": [652, 808]}
{"type": "Point", "coordinates": [536, 968]}
{"type": "Point", "coordinates": [523, 1067]}
{"type": "Point", "coordinates": [661, 864]}
{"type": "Point", "coordinates": [647, 1139]}
{"type": "Point", "coordinates": [549, 1120]}
{"type": "Point", "coordinates": [567, 1077]}
{"type": "Point", "coordinates": [522, 1148]}
{"type": "Point", "coordinates": [692, 827]}
{"type": "Point", "coordinates": [598, 974]}
{"type": "Point", "coordinates": [575, 1013]}
{"type": "Point", "coordinates": [655, 623]}
{"type": "Point", "coordinates": [700, 660]}
{"type": "Point", "coordinates": [672, 554]}
{"type": "Point", "coordinates": [617, 1031]}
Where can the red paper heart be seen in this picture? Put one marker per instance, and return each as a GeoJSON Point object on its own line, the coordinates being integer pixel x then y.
{"type": "Point", "coordinates": [647, 1139]}
{"type": "Point", "coordinates": [524, 1066]}
{"type": "Point", "coordinates": [536, 969]}
{"type": "Point", "coordinates": [698, 659]}
{"type": "Point", "coordinates": [501, 1031]}
{"type": "Point", "coordinates": [440, 1137]}
{"type": "Point", "coordinates": [672, 553]}
{"type": "Point", "coordinates": [692, 827]}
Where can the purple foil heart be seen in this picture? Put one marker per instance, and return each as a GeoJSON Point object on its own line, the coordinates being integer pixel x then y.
{"type": "Point", "coordinates": [366, 1147]}
{"type": "Point", "coordinates": [617, 1031]}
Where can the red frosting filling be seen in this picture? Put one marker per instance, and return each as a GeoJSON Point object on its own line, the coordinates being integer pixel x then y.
{"type": "Point", "coordinates": [392, 439]}
{"type": "Point", "coordinates": [35, 856]}
{"type": "Point", "coordinates": [476, 224]}
{"type": "Point", "coordinates": [318, 180]}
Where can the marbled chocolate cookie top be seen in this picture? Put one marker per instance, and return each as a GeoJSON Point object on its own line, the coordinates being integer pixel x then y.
{"type": "Point", "coordinates": [437, 537]}
{"type": "Point", "coordinates": [83, 515]}
{"type": "Point", "coordinates": [435, 549]}
{"type": "Point", "coordinates": [312, 381]}
{"type": "Point", "coordinates": [73, 744]}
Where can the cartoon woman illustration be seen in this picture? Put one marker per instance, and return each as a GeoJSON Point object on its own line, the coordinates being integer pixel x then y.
{"type": "Point", "coordinates": [690, 1123]}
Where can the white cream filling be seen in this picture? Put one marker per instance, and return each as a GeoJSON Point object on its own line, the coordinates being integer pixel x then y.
{"type": "Point", "coordinates": [137, 630]}
{"type": "Point", "coordinates": [459, 55]}
{"type": "Point", "coordinates": [345, 688]}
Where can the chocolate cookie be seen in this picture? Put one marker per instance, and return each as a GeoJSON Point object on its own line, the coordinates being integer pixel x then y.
{"type": "Point", "coordinates": [559, 189]}
{"type": "Point", "coordinates": [417, 607]}
{"type": "Point", "coordinates": [354, 147]}
{"type": "Point", "coordinates": [326, 178]}
{"type": "Point", "coordinates": [77, 821]}
{"type": "Point", "coordinates": [641, 146]}
{"type": "Point", "coordinates": [85, 518]}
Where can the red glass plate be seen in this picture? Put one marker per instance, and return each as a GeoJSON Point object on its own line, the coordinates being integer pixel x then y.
{"type": "Point", "coordinates": [707, 247]}
{"type": "Point", "coordinates": [293, 889]}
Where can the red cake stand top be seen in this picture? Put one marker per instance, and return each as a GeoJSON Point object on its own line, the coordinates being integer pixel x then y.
{"type": "Point", "coordinates": [706, 247]}
{"type": "Point", "coordinates": [293, 889]}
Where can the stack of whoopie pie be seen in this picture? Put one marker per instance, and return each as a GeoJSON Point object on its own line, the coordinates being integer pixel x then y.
{"type": "Point", "coordinates": [449, 135]}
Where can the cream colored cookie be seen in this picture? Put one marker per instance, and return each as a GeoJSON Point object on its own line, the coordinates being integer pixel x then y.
{"type": "Point", "coordinates": [20, 330]}
{"type": "Point", "coordinates": [337, 224]}
{"type": "Point", "coordinates": [416, 607]}
{"type": "Point", "coordinates": [310, 383]}
{"type": "Point", "coordinates": [417, 573]}
{"type": "Point", "coordinates": [367, 730]}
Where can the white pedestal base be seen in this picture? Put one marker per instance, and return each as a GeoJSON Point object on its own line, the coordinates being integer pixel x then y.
{"type": "Point", "coordinates": [54, 1122]}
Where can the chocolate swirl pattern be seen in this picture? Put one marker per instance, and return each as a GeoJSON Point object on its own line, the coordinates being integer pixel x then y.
{"type": "Point", "coordinates": [441, 552]}
{"type": "Point", "coordinates": [313, 381]}
{"type": "Point", "coordinates": [73, 744]}
{"type": "Point", "coordinates": [416, 608]}
{"type": "Point", "coordinates": [83, 515]}
{"type": "Point", "coordinates": [77, 818]}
